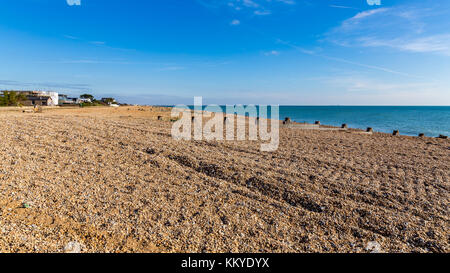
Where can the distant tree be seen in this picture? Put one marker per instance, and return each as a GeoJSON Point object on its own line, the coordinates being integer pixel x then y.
{"type": "Point", "coordinates": [87, 96]}
{"type": "Point", "coordinates": [11, 98]}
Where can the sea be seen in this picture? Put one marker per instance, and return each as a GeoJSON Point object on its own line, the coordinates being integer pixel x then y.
{"type": "Point", "coordinates": [409, 120]}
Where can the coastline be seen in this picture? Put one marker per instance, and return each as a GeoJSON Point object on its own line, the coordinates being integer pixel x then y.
{"type": "Point", "coordinates": [409, 120]}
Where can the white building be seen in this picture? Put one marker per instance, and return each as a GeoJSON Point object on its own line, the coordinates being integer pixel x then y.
{"type": "Point", "coordinates": [53, 95]}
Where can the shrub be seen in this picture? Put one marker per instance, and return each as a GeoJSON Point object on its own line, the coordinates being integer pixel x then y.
{"type": "Point", "coordinates": [11, 98]}
{"type": "Point", "coordinates": [87, 96]}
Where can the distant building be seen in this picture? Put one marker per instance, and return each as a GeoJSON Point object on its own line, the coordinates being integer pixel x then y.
{"type": "Point", "coordinates": [38, 100]}
{"type": "Point", "coordinates": [53, 95]}
{"type": "Point", "coordinates": [84, 100]}
{"type": "Point", "coordinates": [46, 98]}
{"type": "Point", "coordinates": [41, 98]}
{"type": "Point", "coordinates": [65, 100]}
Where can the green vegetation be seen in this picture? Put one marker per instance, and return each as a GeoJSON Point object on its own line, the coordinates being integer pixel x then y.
{"type": "Point", "coordinates": [94, 102]}
{"type": "Point", "coordinates": [98, 103]}
{"type": "Point", "coordinates": [87, 96]}
{"type": "Point", "coordinates": [14, 98]}
{"type": "Point", "coordinates": [90, 104]}
{"type": "Point", "coordinates": [11, 98]}
{"type": "Point", "coordinates": [108, 100]}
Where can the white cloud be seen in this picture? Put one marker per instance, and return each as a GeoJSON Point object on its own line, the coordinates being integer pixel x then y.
{"type": "Point", "coordinates": [341, 7]}
{"type": "Point", "coordinates": [363, 84]}
{"type": "Point", "coordinates": [360, 89]}
{"type": "Point", "coordinates": [427, 44]}
{"type": "Point", "coordinates": [172, 68]}
{"type": "Point", "coordinates": [262, 12]}
{"type": "Point", "coordinates": [71, 37]}
{"type": "Point", "coordinates": [42, 85]}
{"type": "Point", "coordinates": [90, 61]}
{"type": "Point", "coordinates": [272, 53]}
{"type": "Point", "coordinates": [410, 29]}
{"type": "Point", "coordinates": [257, 7]}
{"type": "Point", "coordinates": [367, 13]}
{"type": "Point", "coordinates": [345, 61]}
{"type": "Point", "coordinates": [98, 43]}
{"type": "Point", "coordinates": [73, 2]}
{"type": "Point", "coordinates": [235, 22]}
{"type": "Point", "coordinates": [289, 2]}
{"type": "Point", "coordinates": [249, 3]}
{"type": "Point", "coordinates": [248, 8]}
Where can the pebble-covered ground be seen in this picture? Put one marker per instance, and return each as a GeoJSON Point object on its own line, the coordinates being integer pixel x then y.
{"type": "Point", "coordinates": [113, 180]}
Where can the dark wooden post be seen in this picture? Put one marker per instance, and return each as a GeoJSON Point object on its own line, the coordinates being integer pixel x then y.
{"type": "Point", "coordinates": [287, 120]}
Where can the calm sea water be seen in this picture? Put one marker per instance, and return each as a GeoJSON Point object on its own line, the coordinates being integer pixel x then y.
{"type": "Point", "coordinates": [410, 120]}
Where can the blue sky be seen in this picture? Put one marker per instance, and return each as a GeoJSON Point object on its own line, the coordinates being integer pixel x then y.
{"type": "Point", "coordinates": [297, 52]}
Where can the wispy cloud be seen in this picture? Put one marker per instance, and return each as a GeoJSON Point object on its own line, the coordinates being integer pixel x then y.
{"type": "Point", "coordinates": [98, 43]}
{"type": "Point", "coordinates": [404, 28]}
{"type": "Point", "coordinates": [365, 14]}
{"type": "Point", "coordinates": [91, 61]}
{"type": "Point", "coordinates": [342, 7]}
{"type": "Point", "coordinates": [272, 53]}
{"type": "Point", "coordinates": [262, 12]}
{"type": "Point", "coordinates": [373, 67]}
{"type": "Point", "coordinates": [346, 61]}
{"type": "Point", "coordinates": [70, 37]}
{"type": "Point", "coordinates": [360, 89]}
{"type": "Point", "coordinates": [235, 22]}
{"type": "Point", "coordinates": [252, 7]}
{"type": "Point", "coordinates": [171, 68]}
{"type": "Point", "coordinates": [356, 83]}
{"type": "Point", "coordinates": [43, 85]}
{"type": "Point", "coordinates": [434, 43]}
{"type": "Point", "coordinates": [289, 2]}
{"type": "Point", "coordinates": [73, 2]}
{"type": "Point", "coordinates": [342, 60]}
{"type": "Point", "coordinates": [249, 3]}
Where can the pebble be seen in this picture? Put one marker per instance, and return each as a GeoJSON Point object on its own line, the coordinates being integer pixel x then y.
{"type": "Point", "coordinates": [72, 247]}
{"type": "Point", "coordinates": [373, 247]}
